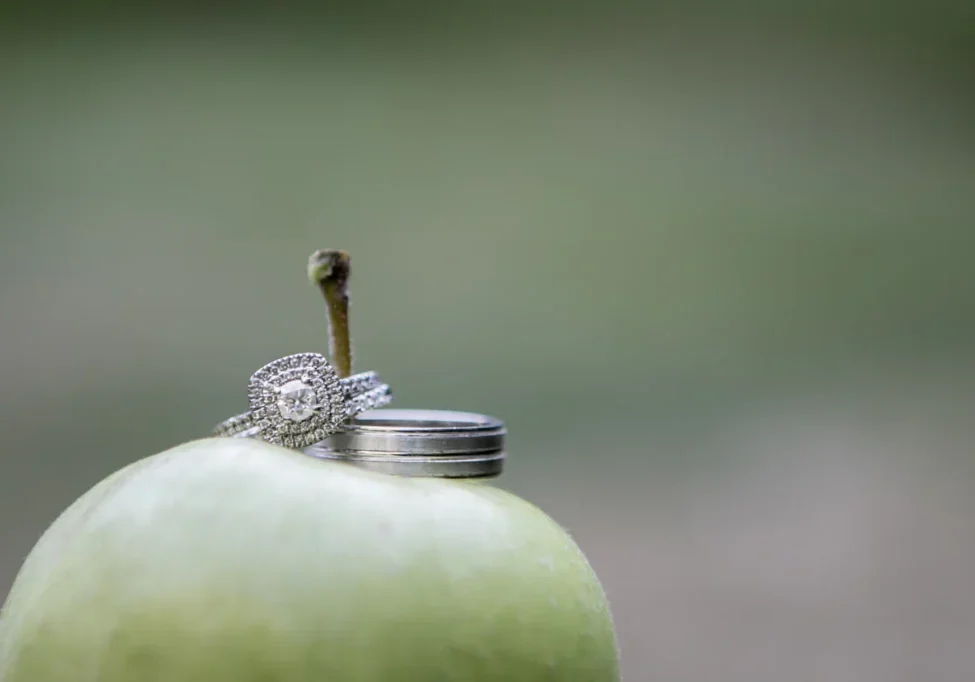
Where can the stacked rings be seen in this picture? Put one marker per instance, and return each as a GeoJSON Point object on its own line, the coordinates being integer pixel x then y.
{"type": "Point", "coordinates": [299, 400]}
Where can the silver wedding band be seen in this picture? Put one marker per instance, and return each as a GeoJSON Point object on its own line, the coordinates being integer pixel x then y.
{"type": "Point", "coordinates": [429, 443]}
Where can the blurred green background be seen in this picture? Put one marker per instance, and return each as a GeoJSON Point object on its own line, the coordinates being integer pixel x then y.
{"type": "Point", "coordinates": [712, 263]}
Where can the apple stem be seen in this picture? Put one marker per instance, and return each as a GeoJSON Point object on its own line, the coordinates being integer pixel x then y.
{"type": "Point", "coordinates": [329, 269]}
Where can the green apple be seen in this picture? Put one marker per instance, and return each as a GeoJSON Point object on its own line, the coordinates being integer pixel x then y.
{"type": "Point", "coordinates": [231, 560]}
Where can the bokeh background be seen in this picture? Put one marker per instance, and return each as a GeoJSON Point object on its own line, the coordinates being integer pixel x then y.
{"type": "Point", "coordinates": [712, 262]}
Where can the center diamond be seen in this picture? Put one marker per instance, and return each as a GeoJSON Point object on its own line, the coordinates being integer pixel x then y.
{"type": "Point", "coordinates": [297, 401]}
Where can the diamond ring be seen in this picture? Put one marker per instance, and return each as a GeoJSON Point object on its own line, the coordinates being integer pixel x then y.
{"type": "Point", "coordinates": [299, 400]}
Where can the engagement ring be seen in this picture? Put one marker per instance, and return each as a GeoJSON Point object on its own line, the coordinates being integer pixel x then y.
{"type": "Point", "coordinates": [299, 400]}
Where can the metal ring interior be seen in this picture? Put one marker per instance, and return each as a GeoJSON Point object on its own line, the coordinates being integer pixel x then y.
{"type": "Point", "coordinates": [428, 443]}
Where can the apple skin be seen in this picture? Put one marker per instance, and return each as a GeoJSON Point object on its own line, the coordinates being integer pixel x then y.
{"type": "Point", "coordinates": [231, 560]}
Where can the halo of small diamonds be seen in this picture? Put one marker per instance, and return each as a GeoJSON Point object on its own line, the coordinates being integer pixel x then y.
{"type": "Point", "coordinates": [297, 400]}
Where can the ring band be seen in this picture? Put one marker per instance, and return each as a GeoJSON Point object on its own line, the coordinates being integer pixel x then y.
{"type": "Point", "coordinates": [243, 426]}
{"type": "Point", "coordinates": [426, 443]}
{"type": "Point", "coordinates": [299, 400]}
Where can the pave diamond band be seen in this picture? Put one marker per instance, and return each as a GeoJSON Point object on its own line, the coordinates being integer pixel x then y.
{"type": "Point", "coordinates": [299, 400]}
{"type": "Point", "coordinates": [243, 425]}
